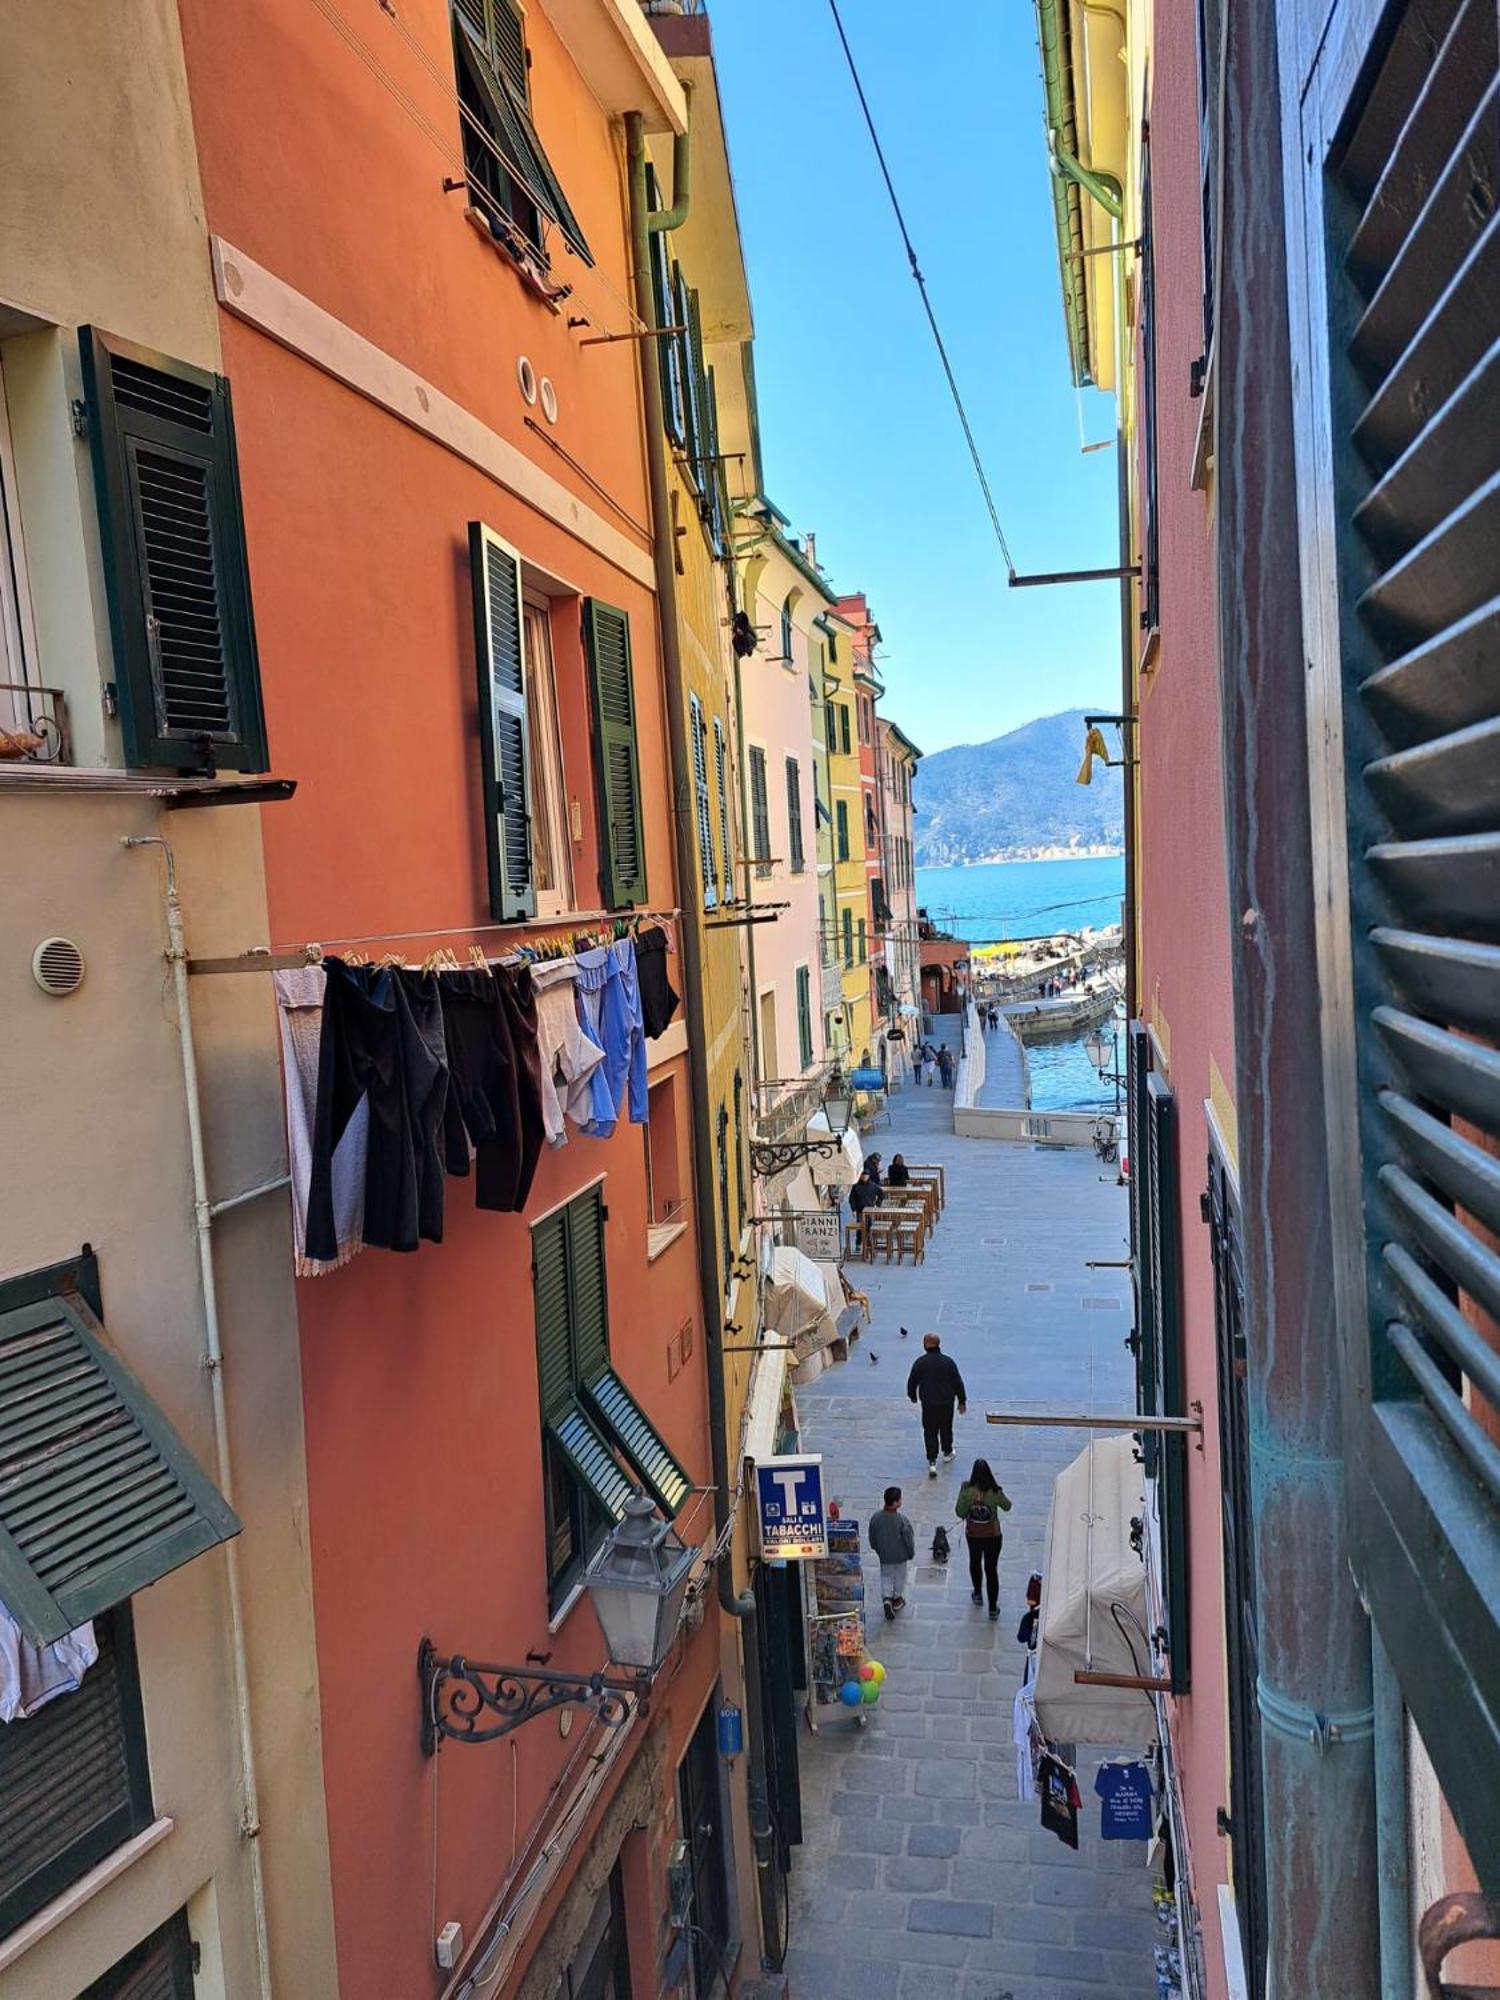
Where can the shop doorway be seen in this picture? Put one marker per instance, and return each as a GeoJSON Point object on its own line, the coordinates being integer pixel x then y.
{"type": "Point", "coordinates": [700, 1804]}
{"type": "Point", "coordinates": [601, 1964]}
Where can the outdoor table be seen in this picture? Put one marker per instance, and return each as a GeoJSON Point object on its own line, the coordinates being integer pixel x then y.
{"type": "Point", "coordinates": [931, 1174]}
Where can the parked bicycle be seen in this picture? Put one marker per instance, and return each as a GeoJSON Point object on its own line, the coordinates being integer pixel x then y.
{"type": "Point", "coordinates": [1106, 1145]}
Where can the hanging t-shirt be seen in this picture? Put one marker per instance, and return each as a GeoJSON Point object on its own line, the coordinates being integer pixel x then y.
{"type": "Point", "coordinates": [1126, 1792]}
{"type": "Point", "coordinates": [1060, 1799]}
{"type": "Point", "coordinates": [1024, 1734]}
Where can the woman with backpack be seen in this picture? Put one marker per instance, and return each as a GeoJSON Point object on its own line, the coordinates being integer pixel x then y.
{"type": "Point", "coordinates": [981, 1502]}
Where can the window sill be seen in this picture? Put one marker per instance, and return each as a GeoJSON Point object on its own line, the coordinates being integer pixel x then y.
{"type": "Point", "coordinates": [660, 1236]}
{"type": "Point", "coordinates": [1150, 650]}
{"type": "Point", "coordinates": [565, 1609]}
{"type": "Point", "coordinates": [167, 786]}
{"type": "Point", "coordinates": [520, 258]}
{"type": "Point", "coordinates": [72, 1899]}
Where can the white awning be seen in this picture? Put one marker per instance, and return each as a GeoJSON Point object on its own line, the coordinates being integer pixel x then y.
{"type": "Point", "coordinates": [763, 1417]}
{"type": "Point", "coordinates": [846, 1167]}
{"type": "Point", "coordinates": [1093, 1612]}
{"type": "Point", "coordinates": [797, 1305]}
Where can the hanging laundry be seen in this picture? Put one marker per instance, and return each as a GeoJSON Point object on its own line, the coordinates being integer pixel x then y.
{"type": "Point", "coordinates": [483, 1101]}
{"type": "Point", "coordinates": [299, 1002]}
{"type": "Point", "coordinates": [659, 1001]}
{"type": "Point", "coordinates": [1060, 1798]}
{"type": "Point", "coordinates": [424, 1059]}
{"type": "Point", "coordinates": [366, 1042]}
{"type": "Point", "coordinates": [567, 1054]}
{"type": "Point", "coordinates": [630, 993]}
{"type": "Point", "coordinates": [1026, 1630]}
{"type": "Point", "coordinates": [1125, 1790]}
{"type": "Point", "coordinates": [1026, 1735]}
{"type": "Point", "coordinates": [503, 1175]}
{"type": "Point", "coordinates": [31, 1676]}
{"type": "Point", "coordinates": [611, 1014]}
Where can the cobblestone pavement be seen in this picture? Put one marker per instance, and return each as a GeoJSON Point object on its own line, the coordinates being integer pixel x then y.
{"type": "Point", "coordinates": [921, 1876]}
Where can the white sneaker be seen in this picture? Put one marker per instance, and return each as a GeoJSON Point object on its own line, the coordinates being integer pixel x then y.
{"type": "Point", "coordinates": [947, 1458]}
{"type": "Point", "coordinates": [932, 1468]}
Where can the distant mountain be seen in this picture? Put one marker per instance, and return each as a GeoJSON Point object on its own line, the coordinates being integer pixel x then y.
{"type": "Point", "coordinates": [1015, 799]}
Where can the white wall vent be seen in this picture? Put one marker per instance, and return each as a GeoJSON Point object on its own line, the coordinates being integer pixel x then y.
{"type": "Point", "coordinates": [57, 966]}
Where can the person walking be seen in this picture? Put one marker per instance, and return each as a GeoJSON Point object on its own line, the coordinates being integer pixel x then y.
{"type": "Point", "coordinates": [894, 1541]}
{"type": "Point", "coordinates": [945, 1066]}
{"type": "Point", "coordinates": [981, 1502]}
{"type": "Point", "coordinates": [936, 1387]}
{"type": "Point", "coordinates": [918, 1057]}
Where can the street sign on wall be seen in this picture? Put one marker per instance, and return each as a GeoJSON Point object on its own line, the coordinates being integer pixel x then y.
{"type": "Point", "coordinates": [789, 1504]}
{"type": "Point", "coordinates": [818, 1234]}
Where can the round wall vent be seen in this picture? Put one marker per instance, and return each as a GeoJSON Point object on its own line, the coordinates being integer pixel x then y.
{"type": "Point", "coordinates": [526, 376]}
{"type": "Point", "coordinates": [57, 966]}
{"type": "Point", "coordinates": [549, 400]}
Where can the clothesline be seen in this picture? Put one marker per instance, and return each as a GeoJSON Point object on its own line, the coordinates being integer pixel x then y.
{"type": "Point", "coordinates": [285, 957]}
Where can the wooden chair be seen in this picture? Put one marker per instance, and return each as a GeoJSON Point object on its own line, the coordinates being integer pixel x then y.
{"type": "Point", "coordinates": [880, 1230]}
{"type": "Point", "coordinates": [854, 1242]}
{"type": "Point", "coordinates": [911, 1235]}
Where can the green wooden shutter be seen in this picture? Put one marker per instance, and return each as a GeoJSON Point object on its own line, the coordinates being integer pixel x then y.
{"type": "Point", "coordinates": [1142, 1339]}
{"type": "Point", "coordinates": [1171, 1454]}
{"type": "Point", "coordinates": [159, 1968]}
{"type": "Point", "coordinates": [1404, 162]}
{"type": "Point", "coordinates": [668, 348]}
{"type": "Point", "coordinates": [505, 751]}
{"type": "Point", "coordinates": [721, 764]}
{"type": "Point", "coordinates": [841, 823]}
{"type": "Point", "coordinates": [804, 1015]}
{"type": "Point", "coordinates": [554, 1346]}
{"type": "Point", "coordinates": [713, 470]}
{"type": "Point", "coordinates": [794, 814]}
{"type": "Point", "coordinates": [173, 537]}
{"type": "Point", "coordinates": [591, 1460]}
{"type": "Point", "coordinates": [726, 1249]}
{"type": "Point", "coordinates": [682, 299]}
{"type": "Point", "coordinates": [760, 807]}
{"type": "Point", "coordinates": [848, 922]}
{"type": "Point", "coordinates": [74, 1782]}
{"type": "Point", "coordinates": [622, 833]}
{"type": "Point", "coordinates": [98, 1495]}
{"type": "Point", "coordinates": [633, 1431]}
{"type": "Point", "coordinates": [703, 810]}
{"type": "Point", "coordinates": [588, 1295]}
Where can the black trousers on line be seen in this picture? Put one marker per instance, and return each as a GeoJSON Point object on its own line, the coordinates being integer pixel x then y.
{"type": "Point", "coordinates": [984, 1560]}
{"type": "Point", "coordinates": [937, 1428]}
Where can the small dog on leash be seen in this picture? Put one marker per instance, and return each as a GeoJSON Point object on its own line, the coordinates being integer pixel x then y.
{"type": "Point", "coordinates": [940, 1549]}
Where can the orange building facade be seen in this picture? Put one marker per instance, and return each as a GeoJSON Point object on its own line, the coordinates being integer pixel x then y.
{"type": "Point", "coordinates": [418, 227]}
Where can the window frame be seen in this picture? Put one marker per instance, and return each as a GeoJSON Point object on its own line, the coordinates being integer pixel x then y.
{"type": "Point", "coordinates": [841, 830]}
{"type": "Point", "coordinates": [796, 852]}
{"type": "Point", "coordinates": [758, 780]}
{"type": "Point", "coordinates": [177, 1938]}
{"type": "Point", "coordinates": [548, 770]}
{"type": "Point", "coordinates": [1150, 510]}
{"type": "Point", "coordinates": [18, 653]}
{"type": "Point", "coordinates": [804, 1016]}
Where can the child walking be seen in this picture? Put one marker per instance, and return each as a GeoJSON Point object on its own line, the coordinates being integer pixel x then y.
{"type": "Point", "coordinates": [894, 1541]}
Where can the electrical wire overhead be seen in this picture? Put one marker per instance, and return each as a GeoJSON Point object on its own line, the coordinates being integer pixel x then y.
{"type": "Point", "coordinates": [916, 271]}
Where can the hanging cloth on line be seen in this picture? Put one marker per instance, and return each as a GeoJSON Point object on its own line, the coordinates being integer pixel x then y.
{"type": "Point", "coordinates": [659, 1000]}
{"type": "Point", "coordinates": [31, 1676]}
{"type": "Point", "coordinates": [1060, 1798]}
{"type": "Point", "coordinates": [567, 1054]}
{"type": "Point", "coordinates": [299, 1005]}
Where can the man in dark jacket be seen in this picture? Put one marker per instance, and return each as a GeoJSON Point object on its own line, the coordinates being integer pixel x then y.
{"type": "Point", "coordinates": [935, 1385]}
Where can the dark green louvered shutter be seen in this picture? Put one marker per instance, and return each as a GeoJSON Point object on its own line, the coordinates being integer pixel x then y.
{"type": "Point", "coordinates": [588, 1295]}
{"type": "Point", "coordinates": [804, 1015]}
{"type": "Point", "coordinates": [505, 757]}
{"type": "Point", "coordinates": [590, 1458]}
{"type": "Point", "coordinates": [98, 1495]}
{"type": "Point", "coordinates": [692, 386]}
{"type": "Point", "coordinates": [160, 1968]}
{"type": "Point", "coordinates": [760, 808]}
{"type": "Point", "coordinates": [668, 348]}
{"type": "Point", "coordinates": [74, 1782]}
{"type": "Point", "coordinates": [1142, 1340]}
{"type": "Point", "coordinates": [173, 537]}
{"type": "Point", "coordinates": [1167, 1399]}
{"type": "Point", "coordinates": [554, 1345]}
{"type": "Point", "coordinates": [622, 835]}
{"type": "Point", "coordinates": [703, 811]}
{"type": "Point", "coordinates": [721, 765]}
{"type": "Point", "coordinates": [794, 815]}
{"type": "Point", "coordinates": [631, 1429]}
{"type": "Point", "coordinates": [1407, 189]}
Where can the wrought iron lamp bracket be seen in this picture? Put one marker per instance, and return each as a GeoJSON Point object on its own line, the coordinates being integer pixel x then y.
{"type": "Point", "coordinates": [769, 1156]}
{"type": "Point", "coordinates": [476, 1701]}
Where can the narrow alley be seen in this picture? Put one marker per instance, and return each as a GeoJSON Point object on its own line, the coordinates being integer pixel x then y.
{"type": "Point", "coordinates": [921, 1876]}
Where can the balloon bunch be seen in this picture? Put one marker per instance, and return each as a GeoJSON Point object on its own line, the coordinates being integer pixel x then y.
{"type": "Point", "coordinates": [864, 1691]}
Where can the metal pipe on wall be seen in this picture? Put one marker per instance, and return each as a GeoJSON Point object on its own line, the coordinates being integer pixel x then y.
{"type": "Point", "coordinates": [740, 1606]}
{"type": "Point", "coordinates": [213, 1362]}
{"type": "Point", "coordinates": [1314, 1689]}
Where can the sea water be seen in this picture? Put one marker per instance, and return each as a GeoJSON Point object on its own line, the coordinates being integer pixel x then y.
{"type": "Point", "coordinates": [995, 901]}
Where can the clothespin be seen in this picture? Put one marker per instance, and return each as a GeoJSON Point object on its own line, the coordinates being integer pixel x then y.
{"type": "Point", "coordinates": [476, 954]}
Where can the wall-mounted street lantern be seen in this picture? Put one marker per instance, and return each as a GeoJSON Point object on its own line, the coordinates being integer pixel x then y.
{"type": "Point", "coordinates": [637, 1582]}
{"type": "Point", "coordinates": [1100, 1050]}
{"type": "Point", "coordinates": [772, 1156]}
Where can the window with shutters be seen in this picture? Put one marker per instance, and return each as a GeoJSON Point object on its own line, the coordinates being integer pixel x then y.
{"type": "Point", "coordinates": [1403, 167]}
{"type": "Point", "coordinates": [509, 175]}
{"type": "Point", "coordinates": [1138, 1061]}
{"type": "Point", "coordinates": [721, 771]}
{"type": "Point", "coordinates": [760, 811]}
{"type": "Point", "coordinates": [1150, 555]}
{"type": "Point", "coordinates": [863, 943]}
{"type": "Point", "coordinates": [669, 348]}
{"type": "Point", "coordinates": [74, 1781]}
{"type": "Point", "coordinates": [622, 832]}
{"type": "Point", "coordinates": [173, 542]}
{"type": "Point", "coordinates": [841, 828]}
{"type": "Point", "coordinates": [787, 630]}
{"type": "Point", "coordinates": [708, 866]}
{"type": "Point", "coordinates": [1170, 1456]}
{"type": "Point", "coordinates": [551, 845]}
{"type": "Point", "coordinates": [741, 1205]}
{"type": "Point", "coordinates": [848, 924]}
{"type": "Point", "coordinates": [19, 707]}
{"type": "Point", "coordinates": [504, 722]}
{"type": "Point", "coordinates": [845, 742]}
{"type": "Point", "coordinates": [160, 1968]}
{"type": "Point", "coordinates": [598, 1445]}
{"type": "Point", "coordinates": [804, 1016]}
{"type": "Point", "coordinates": [721, 1160]}
{"type": "Point", "coordinates": [794, 815]}
{"type": "Point", "coordinates": [831, 725]}
{"type": "Point", "coordinates": [1210, 29]}
{"type": "Point", "coordinates": [1242, 1644]}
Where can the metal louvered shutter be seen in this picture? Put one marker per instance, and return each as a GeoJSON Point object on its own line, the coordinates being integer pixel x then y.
{"type": "Point", "coordinates": [505, 753]}
{"type": "Point", "coordinates": [660, 1474]}
{"type": "Point", "coordinates": [160, 1968]}
{"type": "Point", "coordinates": [1138, 1046]}
{"type": "Point", "coordinates": [794, 814]}
{"type": "Point", "coordinates": [73, 1779]}
{"type": "Point", "coordinates": [703, 809]}
{"type": "Point", "coordinates": [98, 1495]}
{"type": "Point", "coordinates": [1167, 1360]}
{"type": "Point", "coordinates": [167, 480]}
{"type": "Point", "coordinates": [549, 1286]}
{"type": "Point", "coordinates": [1410, 196]}
{"type": "Point", "coordinates": [591, 1460]}
{"type": "Point", "coordinates": [760, 808]}
{"type": "Point", "coordinates": [721, 765]}
{"type": "Point", "coordinates": [622, 834]}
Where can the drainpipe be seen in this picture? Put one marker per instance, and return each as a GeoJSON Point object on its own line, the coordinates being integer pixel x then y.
{"type": "Point", "coordinates": [735, 1605]}
{"type": "Point", "coordinates": [213, 1362]}
{"type": "Point", "coordinates": [1314, 1691]}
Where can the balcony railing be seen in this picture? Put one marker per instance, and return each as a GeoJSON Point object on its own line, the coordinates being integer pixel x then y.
{"type": "Point", "coordinates": [34, 725]}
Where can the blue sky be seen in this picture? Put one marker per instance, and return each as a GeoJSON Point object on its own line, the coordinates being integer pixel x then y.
{"type": "Point", "coordinates": [861, 442]}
